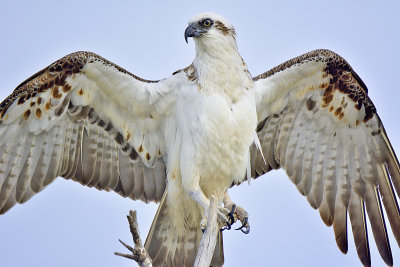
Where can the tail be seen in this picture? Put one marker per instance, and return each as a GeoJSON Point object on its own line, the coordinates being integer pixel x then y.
{"type": "Point", "coordinates": [169, 246]}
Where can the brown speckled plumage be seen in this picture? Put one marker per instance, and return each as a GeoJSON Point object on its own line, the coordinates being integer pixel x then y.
{"type": "Point", "coordinates": [333, 147]}
{"type": "Point", "coordinates": [342, 78]}
{"type": "Point", "coordinates": [53, 77]}
{"type": "Point", "coordinates": [224, 29]}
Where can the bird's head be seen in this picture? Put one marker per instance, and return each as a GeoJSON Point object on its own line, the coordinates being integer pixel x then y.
{"type": "Point", "coordinates": [206, 27]}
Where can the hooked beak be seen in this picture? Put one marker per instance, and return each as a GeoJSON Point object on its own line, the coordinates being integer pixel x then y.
{"type": "Point", "coordinates": [193, 31]}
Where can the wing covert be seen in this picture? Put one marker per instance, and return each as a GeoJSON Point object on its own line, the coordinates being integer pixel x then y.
{"type": "Point", "coordinates": [317, 122]}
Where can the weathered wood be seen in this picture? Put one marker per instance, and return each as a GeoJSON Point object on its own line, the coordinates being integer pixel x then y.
{"type": "Point", "coordinates": [204, 253]}
{"type": "Point", "coordinates": [139, 253]}
{"type": "Point", "coordinates": [209, 239]}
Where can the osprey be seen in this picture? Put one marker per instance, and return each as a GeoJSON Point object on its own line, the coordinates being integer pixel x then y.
{"type": "Point", "coordinates": [195, 134]}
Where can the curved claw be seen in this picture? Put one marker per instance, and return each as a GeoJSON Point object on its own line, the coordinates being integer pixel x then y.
{"type": "Point", "coordinates": [227, 226]}
{"type": "Point", "coordinates": [245, 229]}
{"type": "Point", "coordinates": [230, 215]}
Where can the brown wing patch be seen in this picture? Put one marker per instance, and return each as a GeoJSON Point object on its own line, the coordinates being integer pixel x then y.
{"type": "Point", "coordinates": [310, 104]}
{"type": "Point", "coordinates": [21, 100]}
{"type": "Point", "coordinates": [66, 88]}
{"type": "Point", "coordinates": [27, 114]}
{"type": "Point", "coordinates": [327, 99]}
{"type": "Point", "coordinates": [54, 78]}
{"type": "Point", "coordinates": [56, 93]}
{"type": "Point", "coordinates": [345, 80]}
{"type": "Point", "coordinates": [190, 73]}
{"type": "Point", "coordinates": [342, 78]}
{"type": "Point", "coordinates": [48, 105]}
{"type": "Point", "coordinates": [38, 113]}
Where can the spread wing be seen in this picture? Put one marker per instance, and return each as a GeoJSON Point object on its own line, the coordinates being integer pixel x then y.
{"type": "Point", "coordinates": [85, 119]}
{"type": "Point", "coordinates": [317, 122]}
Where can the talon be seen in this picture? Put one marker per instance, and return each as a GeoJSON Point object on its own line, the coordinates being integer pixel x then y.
{"type": "Point", "coordinates": [226, 227]}
{"type": "Point", "coordinates": [243, 223]}
{"type": "Point", "coordinates": [230, 215]}
{"type": "Point", "coordinates": [245, 229]}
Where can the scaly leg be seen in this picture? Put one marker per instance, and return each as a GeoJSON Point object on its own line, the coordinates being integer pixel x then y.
{"type": "Point", "coordinates": [222, 213]}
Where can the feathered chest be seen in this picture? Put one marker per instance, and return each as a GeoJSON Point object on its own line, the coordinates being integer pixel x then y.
{"type": "Point", "coordinates": [220, 132]}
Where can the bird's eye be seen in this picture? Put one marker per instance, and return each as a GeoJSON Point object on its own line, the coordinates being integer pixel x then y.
{"type": "Point", "coordinates": [207, 22]}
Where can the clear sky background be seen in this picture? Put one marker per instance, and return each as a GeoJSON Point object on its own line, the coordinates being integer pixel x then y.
{"type": "Point", "coordinates": [70, 225]}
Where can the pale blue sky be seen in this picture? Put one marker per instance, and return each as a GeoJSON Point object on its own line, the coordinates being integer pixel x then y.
{"type": "Point", "coordinates": [70, 225]}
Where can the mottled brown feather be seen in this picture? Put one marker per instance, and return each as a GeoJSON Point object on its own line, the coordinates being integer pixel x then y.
{"type": "Point", "coordinates": [354, 193]}
{"type": "Point", "coordinates": [342, 78]}
{"type": "Point", "coordinates": [56, 74]}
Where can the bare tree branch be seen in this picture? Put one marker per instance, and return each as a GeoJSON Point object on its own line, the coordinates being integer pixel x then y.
{"type": "Point", "coordinates": [139, 253]}
{"type": "Point", "coordinates": [209, 239]}
{"type": "Point", "coordinates": [204, 253]}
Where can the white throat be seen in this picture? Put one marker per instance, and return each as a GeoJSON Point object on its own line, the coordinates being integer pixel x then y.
{"type": "Point", "coordinates": [220, 68]}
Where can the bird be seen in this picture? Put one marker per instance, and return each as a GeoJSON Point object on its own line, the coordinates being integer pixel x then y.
{"type": "Point", "coordinates": [204, 129]}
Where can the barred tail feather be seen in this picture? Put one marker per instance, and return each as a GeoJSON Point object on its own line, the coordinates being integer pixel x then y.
{"type": "Point", "coordinates": [167, 247]}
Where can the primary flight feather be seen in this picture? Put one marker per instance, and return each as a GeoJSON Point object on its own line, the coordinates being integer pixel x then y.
{"type": "Point", "coordinates": [181, 139]}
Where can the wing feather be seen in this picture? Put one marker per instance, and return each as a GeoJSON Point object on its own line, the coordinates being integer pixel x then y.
{"type": "Point", "coordinates": [37, 163]}
{"type": "Point", "coordinates": [89, 144]}
{"type": "Point", "coordinates": [126, 168]}
{"type": "Point", "coordinates": [85, 118]}
{"type": "Point", "coordinates": [139, 182]}
{"type": "Point", "coordinates": [99, 160]}
{"type": "Point", "coordinates": [44, 162]}
{"type": "Point", "coordinates": [293, 135]}
{"type": "Point", "coordinates": [149, 184]}
{"type": "Point", "coordinates": [329, 184]}
{"type": "Point", "coordinates": [73, 154]}
{"type": "Point", "coordinates": [105, 177]}
{"type": "Point", "coordinates": [66, 148]}
{"type": "Point", "coordinates": [114, 167]}
{"type": "Point", "coordinates": [392, 163]}
{"type": "Point", "coordinates": [24, 181]}
{"type": "Point", "coordinates": [77, 172]}
{"type": "Point", "coordinates": [310, 147]}
{"type": "Point", "coordinates": [13, 169]}
{"type": "Point", "coordinates": [316, 119]}
{"type": "Point", "coordinates": [270, 150]}
{"type": "Point", "coordinates": [389, 200]}
{"type": "Point", "coordinates": [342, 200]}
{"type": "Point", "coordinates": [284, 130]}
{"type": "Point", "coordinates": [339, 225]}
{"type": "Point", "coordinates": [359, 228]}
{"type": "Point", "coordinates": [317, 186]}
{"type": "Point", "coordinates": [375, 214]}
{"type": "Point", "coordinates": [297, 160]}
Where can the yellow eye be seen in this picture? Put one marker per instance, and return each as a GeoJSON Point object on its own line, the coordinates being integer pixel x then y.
{"type": "Point", "coordinates": [207, 23]}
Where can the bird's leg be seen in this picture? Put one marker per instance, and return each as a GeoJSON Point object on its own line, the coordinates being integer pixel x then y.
{"type": "Point", "coordinates": [238, 213]}
{"type": "Point", "coordinates": [198, 196]}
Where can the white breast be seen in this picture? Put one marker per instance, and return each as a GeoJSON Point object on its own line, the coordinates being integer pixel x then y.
{"type": "Point", "coordinates": [221, 139]}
